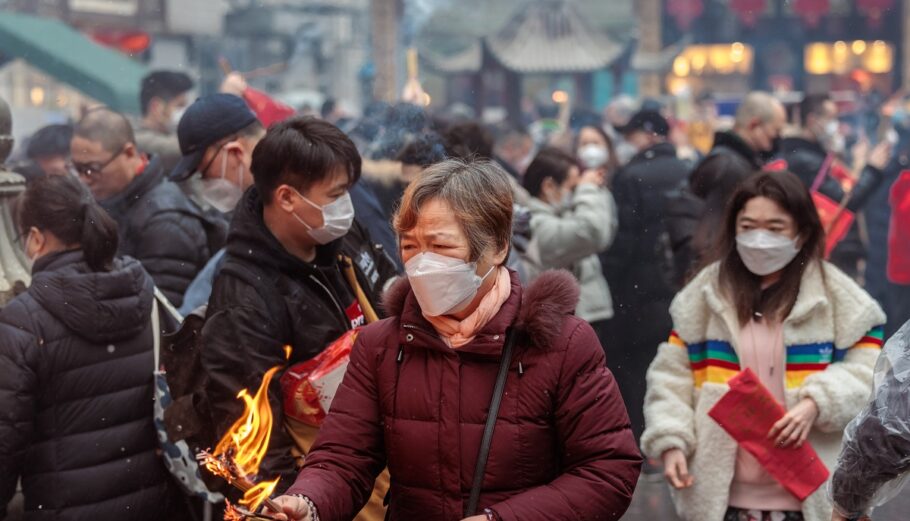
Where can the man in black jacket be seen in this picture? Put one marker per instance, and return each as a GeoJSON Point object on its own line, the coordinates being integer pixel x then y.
{"type": "Point", "coordinates": [283, 281]}
{"type": "Point", "coordinates": [157, 224]}
{"type": "Point", "coordinates": [817, 148]}
{"type": "Point", "coordinates": [697, 212]}
{"type": "Point", "coordinates": [637, 266]}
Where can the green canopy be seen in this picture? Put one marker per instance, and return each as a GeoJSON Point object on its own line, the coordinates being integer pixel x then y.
{"type": "Point", "coordinates": [68, 56]}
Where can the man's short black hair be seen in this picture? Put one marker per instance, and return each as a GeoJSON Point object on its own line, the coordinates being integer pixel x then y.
{"type": "Point", "coordinates": [52, 140]}
{"type": "Point", "coordinates": [423, 150]}
{"type": "Point", "coordinates": [300, 152]}
{"type": "Point", "coordinates": [812, 104]}
{"type": "Point", "coordinates": [166, 85]}
{"type": "Point", "coordinates": [469, 141]}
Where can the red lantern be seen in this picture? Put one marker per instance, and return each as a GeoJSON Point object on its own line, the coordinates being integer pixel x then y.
{"type": "Point", "coordinates": [874, 9]}
{"type": "Point", "coordinates": [748, 11]}
{"type": "Point", "coordinates": [685, 12]}
{"type": "Point", "coordinates": [811, 11]}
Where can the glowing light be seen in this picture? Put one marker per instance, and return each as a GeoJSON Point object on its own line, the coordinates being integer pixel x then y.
{"type": "Point", "coordinates": [818, 58]}
{"type": "Point", "coordinates": [681, 66]}
{"type": "Point", "coordinates": [287, 352]}
{"type": "Point", "coordinates": [879, 59]}
{"type": "Point", "coordinates": [737, 52]}
{"type": "Point", "coordinates": [36, 95]}
{"type": "Point", "coordinates": [858, 47]}
{"type": "Point", "coordinates": [560, 96]}
{"type": "Point", "coordinates": [427, 99]}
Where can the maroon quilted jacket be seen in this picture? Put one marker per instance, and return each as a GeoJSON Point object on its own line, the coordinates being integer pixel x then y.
{"type": "Point", "coordinates": [562, 448]}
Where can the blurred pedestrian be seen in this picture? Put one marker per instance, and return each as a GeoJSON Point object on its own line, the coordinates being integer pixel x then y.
{"type": "Point", "coordinates": [49, 148]}
{"type": "Point", "coordinates": [513, 149]}
{"type": "Point", "coordinates": [217, 136]}
{"type": "Point", "coordinates": [638, 265]}
{"type": "Point", "coordinates": [158, 225]}
{"type": "Point", "coordinates": [594, 149]}
{"type": "Point", "coordinates": [573, 219]}
{"type": "Point", "coordinates": [470, 141]}
{"type": "Point", "coordinates": [698, 212]}
{"type": "Point", "coordinates": [163, 97]}
{"type": "Point", "coordinates": [772, 305]}
{"type": "Point", "coordinates": [417, 392]}
{"type": "Point", "coordinates": [76, 367]}
{"type": "Point", "coordinates": [874, 463]}
{"type": "Point", "coordinates": [816, 153]}
{"type": "Point", "coordinates": [283, 283]}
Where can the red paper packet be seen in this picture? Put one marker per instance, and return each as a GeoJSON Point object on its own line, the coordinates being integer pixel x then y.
{"type": "Point", "coordinates": [748, 412]}
{"type": "Point", "coordinates": [309, 387]}
{"type": "Point", "coordinates": [899, 232]}
{"type": "Point", "coordinates": [835, 220]}
{"type": "Point", "coordinates": [267, 109]}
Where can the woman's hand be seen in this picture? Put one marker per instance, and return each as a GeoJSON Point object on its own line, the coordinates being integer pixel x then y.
{"type": "Point", "coordinates": [676, 469]}
{"type": "Point", "coordinates": [795, 426]}
{"type": "Point", "coordinates": [293, 508]}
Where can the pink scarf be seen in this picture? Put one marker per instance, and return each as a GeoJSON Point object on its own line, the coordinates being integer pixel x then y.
{"type": "Point", "coordinates": [459, 333]}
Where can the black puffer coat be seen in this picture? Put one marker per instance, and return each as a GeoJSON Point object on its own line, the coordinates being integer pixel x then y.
{"type": "Point", "coordinates": [263, 299]}
{"type": "Point", "coordinates": [162, 228]}
{"type": "Point", "coordinates": [76, 395]}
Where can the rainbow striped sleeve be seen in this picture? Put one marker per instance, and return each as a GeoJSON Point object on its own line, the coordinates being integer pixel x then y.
{"type": "Point", "coordinates": [713, 361]}
{"type": "Point", "coordinates": [874, 339]}
{"type": "Point", "coordinates": [675, 340]}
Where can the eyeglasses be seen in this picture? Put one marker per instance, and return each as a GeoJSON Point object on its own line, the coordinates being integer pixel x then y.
{"type": "Point", "coordinates": [92, 169]}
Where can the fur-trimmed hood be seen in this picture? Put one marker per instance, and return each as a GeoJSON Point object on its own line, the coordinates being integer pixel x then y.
{"type": "Point", "coordinates": [541, 307]}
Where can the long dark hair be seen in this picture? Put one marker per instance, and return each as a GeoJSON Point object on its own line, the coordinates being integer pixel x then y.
{"type": "Point", "coordinates": [63, 206]}
{"type": "Point", "coordinates": [743, 287]}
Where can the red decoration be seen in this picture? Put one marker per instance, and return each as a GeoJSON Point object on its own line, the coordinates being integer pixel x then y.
{"type": "Point", "coordinates": [874, 10]}
{"type": "Point", "coordinates": [748, 11]}
{"type": "Point", "coordinates": [127, 42]}
{"type": "Point", "coordinates": [685, 12]}
{"type": "Point", "coordinates": [811, 11]}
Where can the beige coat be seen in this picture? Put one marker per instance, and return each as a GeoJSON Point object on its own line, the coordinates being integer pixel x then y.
{"type": "Point", "coordinates": [832, 315]}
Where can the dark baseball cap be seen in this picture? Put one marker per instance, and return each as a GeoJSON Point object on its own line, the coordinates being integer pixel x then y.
{"type": "Point", "coordinates": [209, 119]}
{"type": "Point", "coordinates": [648, 121]}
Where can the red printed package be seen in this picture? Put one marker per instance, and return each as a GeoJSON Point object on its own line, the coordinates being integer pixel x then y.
{"type": "Point", "coordinates": [310, 386]}
{"type": "Point", "coordinates": [747, 412]}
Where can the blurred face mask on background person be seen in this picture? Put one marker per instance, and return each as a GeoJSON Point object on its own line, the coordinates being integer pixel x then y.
{"type": "Point", "coordinates": [443, 285]}
{"type": "Point", "coordinates": [221, 193]}
{"type": "Point", "coordinates": [765, 252]}
{"type": "Point", "coordinates": [593, 155]}
{"type": "Point", "coordinates": [337, 218]}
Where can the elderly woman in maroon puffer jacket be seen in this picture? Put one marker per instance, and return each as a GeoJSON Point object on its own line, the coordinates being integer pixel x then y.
{"type": "Point", "coordinates": [418, 388]}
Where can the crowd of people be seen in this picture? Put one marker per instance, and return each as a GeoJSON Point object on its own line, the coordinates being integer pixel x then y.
{"type": "Point", "coordinates": [593, 275]}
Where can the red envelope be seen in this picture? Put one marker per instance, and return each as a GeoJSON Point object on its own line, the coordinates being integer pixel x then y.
{"type": "Point", "coordinates": [267, 109]}
{"type": "Point", "coordinates": [747, 412]}
{"type": "Point", "coordinates": [835, 220]}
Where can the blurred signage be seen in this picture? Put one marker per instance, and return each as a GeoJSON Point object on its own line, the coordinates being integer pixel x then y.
{"type": "Point", "coordinates": [108, 7]}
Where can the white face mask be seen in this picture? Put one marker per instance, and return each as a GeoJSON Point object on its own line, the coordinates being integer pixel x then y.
{"type": "Point", "coordinates": [593, 156]}
{"type": "Point", "coordinates": [831, 138]}
{"type": "Point", "coordinates": [443, 285]}
{"type": "Point", "coordinates": [176, 114]}
{"type": "Point", "coordinates": [337, 218]}
{"type": "Point", "coordinates": [765, 252]}
{"type": "Point", "coordinates": [220, 193]}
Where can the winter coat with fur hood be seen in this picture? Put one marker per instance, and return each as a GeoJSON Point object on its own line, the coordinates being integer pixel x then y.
{"type": "Point", "coordinates": [832, 338]}
{"type": "Point", "coordinates": [562, 448]}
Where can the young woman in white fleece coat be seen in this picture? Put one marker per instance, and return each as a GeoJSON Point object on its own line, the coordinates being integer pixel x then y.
{"type": "Point", "coordinates": [810, 334]}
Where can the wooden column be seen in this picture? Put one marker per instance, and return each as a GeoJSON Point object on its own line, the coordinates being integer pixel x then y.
{"type": "Point", "coordinates": [650, 28]}
{"type": "Point", "coordinates": [384, 25]}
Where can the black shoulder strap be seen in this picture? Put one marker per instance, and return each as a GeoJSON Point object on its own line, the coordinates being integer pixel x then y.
{"type": "Point", "coordinates": [487, 440]}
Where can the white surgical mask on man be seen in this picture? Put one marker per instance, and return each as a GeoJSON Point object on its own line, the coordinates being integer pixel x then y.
{"type": "Point", "coordinates": [220, 193]}
{"type": "Point", "coordinates": [337, 218]}
{"type": "Point", "coordinates": [765, 252]}
{"type": "Point", "coordinates": [443, 285]}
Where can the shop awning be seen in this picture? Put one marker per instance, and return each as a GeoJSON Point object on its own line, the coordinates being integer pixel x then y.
{"type": "Point", "coordinates": [70, 57]}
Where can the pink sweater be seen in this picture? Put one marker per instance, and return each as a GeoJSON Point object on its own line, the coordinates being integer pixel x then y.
{"type": "Point", "coordinates": [761, 348]}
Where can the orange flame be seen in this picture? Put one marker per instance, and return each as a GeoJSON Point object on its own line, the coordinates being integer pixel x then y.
{"type": "Point", "coordinates": [244, 445]}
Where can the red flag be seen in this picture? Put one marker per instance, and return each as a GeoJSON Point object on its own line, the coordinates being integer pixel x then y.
{"type": "Point", "coordinates": [267, 109]}
{"type": "Point", "coordinates": [748, 412]}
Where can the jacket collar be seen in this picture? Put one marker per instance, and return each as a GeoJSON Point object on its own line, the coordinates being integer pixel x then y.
{"type": "Point", "coordinates": [811, 297]}
{"type": "Point", "coordinates": [658, 150]}
{"type": "Point", "coordinates": [145, 182]}
{"type": "Point", "coordinates": [731, 141]}
{"type": "Point", "coordinates": [536, 313]}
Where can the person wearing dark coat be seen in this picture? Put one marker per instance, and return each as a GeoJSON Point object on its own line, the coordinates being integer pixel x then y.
{"type": "Point", "coordinates": [157, 223]}
{"type": "Point", "coordinates": [808, 153]}
{"type": "Point", "coordinates": [637, 266]}
{"type": "Point", "coordinates": [697, 211]}
{"type": "Point", "coordinates": [282, 282]}
{"type": "Point", "coordinates": [418, 388]}
{"type": "Point", "coordinates": [76, 362]}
